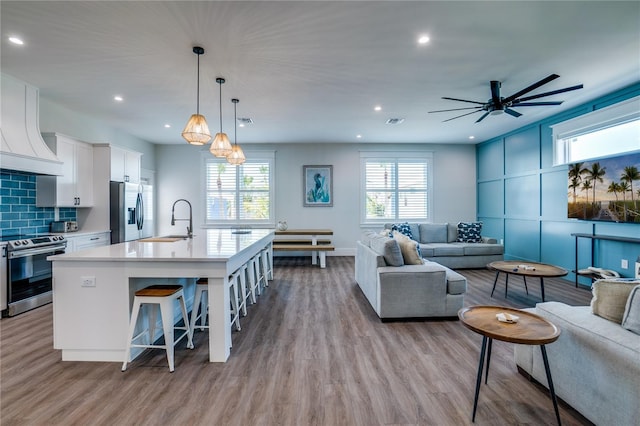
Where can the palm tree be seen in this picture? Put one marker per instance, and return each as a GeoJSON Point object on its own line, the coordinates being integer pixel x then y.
{"type": "Point", "coordinates": [614, 187]}
{"type": "Point", "coordinates": [586, 186]}
{"type": "Point", "coordinates": [595, 175]}
{"type": "Point", "coordinates": [573, 185]}
{"type": "Point", "coordinates": [630, 174]}
{"type": "Point", "coordinates": [576, 171]}
{"type": "Point", "coordinates": [623, 187]}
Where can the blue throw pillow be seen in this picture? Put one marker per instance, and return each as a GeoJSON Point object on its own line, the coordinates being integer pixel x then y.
{"type": "Point", "coordinates": [403, 228]}
{"type": "Point", "coordinates": [469, 232]}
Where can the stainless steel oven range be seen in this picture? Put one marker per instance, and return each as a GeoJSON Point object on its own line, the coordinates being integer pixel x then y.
{"type": "Point", "coordinates": [28, 272]}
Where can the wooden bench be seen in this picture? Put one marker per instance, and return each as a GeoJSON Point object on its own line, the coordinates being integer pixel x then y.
{"type": "Point", "coordinates": [318, 248]}
{"type": "Point", "coordinates": [321, 249]}
{"type": "Point", "coordinates": [299, 241]}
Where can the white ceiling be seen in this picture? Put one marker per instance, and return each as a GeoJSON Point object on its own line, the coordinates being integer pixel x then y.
{"type": "Point", "coordinates": [313, 71]}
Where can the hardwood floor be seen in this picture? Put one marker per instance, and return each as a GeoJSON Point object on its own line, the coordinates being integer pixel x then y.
{"type": "Point", "coordinates": [311, 352]}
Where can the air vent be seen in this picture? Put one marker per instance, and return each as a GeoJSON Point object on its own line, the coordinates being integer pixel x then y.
{"type": "Point", "coordinates": [395, 121]}
{"type": "Point", "coordinates": [245, 120]}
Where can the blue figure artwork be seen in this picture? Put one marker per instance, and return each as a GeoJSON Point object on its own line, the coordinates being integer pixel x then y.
{"type": "Point", "coordinates": [318, 190]}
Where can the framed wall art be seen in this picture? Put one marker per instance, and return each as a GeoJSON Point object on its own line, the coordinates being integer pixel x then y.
{"type": "Point", "coordinates": [318, 186]}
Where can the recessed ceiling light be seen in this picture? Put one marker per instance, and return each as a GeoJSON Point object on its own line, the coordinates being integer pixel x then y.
{"type": "Point", "coordinates": [423, 39]}
{"type": "Point", "coordinates": [16, 40]}
{"type": "Point", "coordinates": [166, 126]}
{"type": "Point", "coordinates": [118, 98]}
{"type": "Point", "coordinates": [472, 137]}
{"type": "Point", "coordinates": [377, 108]}
{"type": "Point", "coordinates": [359, 136]}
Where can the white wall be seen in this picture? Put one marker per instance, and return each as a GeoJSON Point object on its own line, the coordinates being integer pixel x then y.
{"type": "Point", "coordinates": [56, 118]}
{"type": "Point", "coordinates": [179, 175]}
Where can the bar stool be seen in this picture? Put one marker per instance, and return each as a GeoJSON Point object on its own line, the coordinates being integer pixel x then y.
{"type": "Point", "coordinates": [254, 275]}
{"type": "Point", "coordinates": [200, 308]}
{"type": "Point", "coordinates": [267, 269]}
{"type": "Point", "coordinates": [163, 296]}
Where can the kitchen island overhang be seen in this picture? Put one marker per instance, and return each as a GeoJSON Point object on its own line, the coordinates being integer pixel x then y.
{"type": "Point", "coordinates": [93, 289]}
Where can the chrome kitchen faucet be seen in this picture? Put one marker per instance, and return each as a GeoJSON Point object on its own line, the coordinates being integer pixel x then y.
{"type": "Point", "coordinates": [173, 217]}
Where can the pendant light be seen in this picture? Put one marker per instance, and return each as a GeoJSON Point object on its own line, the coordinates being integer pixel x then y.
{"type": "Point", "coordinates": [196, 132]}
{"type": "Point", "coordinates": [236, 157]}
{"type": "Point", "coordinates": [220, 147]}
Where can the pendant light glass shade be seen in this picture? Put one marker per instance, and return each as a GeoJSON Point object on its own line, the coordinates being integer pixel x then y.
{"type": "Point", "coordinates": [236, 157]}
{"type": "Point", "coordinates": [220, 147]}
{"type": "Point", "coordinates": [196, 132]}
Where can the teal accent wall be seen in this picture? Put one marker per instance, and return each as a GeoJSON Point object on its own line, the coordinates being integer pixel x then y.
{"type": "Point", "coordinates": [522, 199]}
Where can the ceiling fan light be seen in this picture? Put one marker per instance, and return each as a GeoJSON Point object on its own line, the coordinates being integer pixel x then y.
{"type": "Point", "coordinates": [497, 111]}
{"type": "Point", "coordinates": [196, 132]}
{"type": "Point", "coordinates": [236, 157]}
{"type": "Point", "coordinates": [220, 147]}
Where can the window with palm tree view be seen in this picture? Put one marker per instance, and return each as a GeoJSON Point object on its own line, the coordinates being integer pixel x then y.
{"type": "Point", "coordinates": [396, 188]}
{"type": "Point", "coordinates": [237, 195]}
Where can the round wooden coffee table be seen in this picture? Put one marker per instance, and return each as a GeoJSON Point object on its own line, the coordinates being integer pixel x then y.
{"type": "Point", "coordinates": [530, 329]}
{"type": "Point", "coordinates": [525, 269]}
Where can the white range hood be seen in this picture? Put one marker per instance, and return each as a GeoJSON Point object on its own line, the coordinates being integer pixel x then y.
{"type": "Point", "coordinates": [21, 145]}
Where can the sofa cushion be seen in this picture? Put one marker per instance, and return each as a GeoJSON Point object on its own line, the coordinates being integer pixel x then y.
{"type": "Point", "coordinates": [426, 250]}
{"type": "Point", "coordinates": [387, 248]}
{"type": "Point", "coordinates": [469, 232]}
{"type": "Point", "coordinates": [408, 248]}
{"type": "Point", "coordinates": [452, 232]}
{"type": "Point", "coordinates": [433, 232]}
{"type": "Point", "coordinates": [482, 249]}
{"type": "Point", "coordinates": [610, 299]}
{"type": "Point", "coordinates": [447, 249]}
{"type": "Point", "coordinates": [631, 316]}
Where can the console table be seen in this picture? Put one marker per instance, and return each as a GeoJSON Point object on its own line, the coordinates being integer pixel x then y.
{"type": "Point", "coordinates": [593, 238]}
{"type": "Point", "coordinates": [317, 247]}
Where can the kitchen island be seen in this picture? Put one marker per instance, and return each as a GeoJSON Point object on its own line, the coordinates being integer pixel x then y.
{"type": "Point", "coordinates": [93, 289]}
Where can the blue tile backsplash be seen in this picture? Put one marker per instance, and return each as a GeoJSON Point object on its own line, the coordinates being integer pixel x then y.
{"type": "Point", "coordinates": [18, 211]}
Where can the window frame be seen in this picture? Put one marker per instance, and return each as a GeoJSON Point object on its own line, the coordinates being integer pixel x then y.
{"type": "Point", "coordinates": [252, 157]}
{"type": "Point", "coordinates": [425, 157]}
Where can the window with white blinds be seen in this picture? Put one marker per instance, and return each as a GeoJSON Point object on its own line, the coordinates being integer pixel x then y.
{"type": "Point", "coordinates": [239, 195]}
{"type": "Point", "coordinates": [396, 188]}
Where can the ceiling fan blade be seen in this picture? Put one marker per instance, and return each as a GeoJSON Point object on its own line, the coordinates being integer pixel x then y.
{"type": "Point", "coordinates": [553, 92]}
{"type": "Point", "coordinates": [512, 112]}
{"type": "Point", "coordinates": [483, 117]}
{"type": "Point", "coordinates": [463, 100]}
{"type": "Point", "coordinates": [458, 116]}
{"type": "Point", "coordinates": [519, 104]}
{"type": "Point", "coordinates": [530, 88]}
{"type": "Point", "coordinates": [454, 109]}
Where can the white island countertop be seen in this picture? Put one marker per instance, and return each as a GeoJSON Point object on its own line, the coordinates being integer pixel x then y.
{"type": "Point", "coordinates": [206, 245]}
{"type": "Point", "coordinates": [98, 284]}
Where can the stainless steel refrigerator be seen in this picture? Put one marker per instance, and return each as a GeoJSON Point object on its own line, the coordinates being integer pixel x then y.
{"type": "Point", "coordinates": [131, 212]}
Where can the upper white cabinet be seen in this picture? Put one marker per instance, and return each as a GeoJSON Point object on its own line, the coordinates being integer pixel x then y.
{"type": "Point", "coordinates": [75, 187]}
{"type": "Point", "coordinates": [125, 165]}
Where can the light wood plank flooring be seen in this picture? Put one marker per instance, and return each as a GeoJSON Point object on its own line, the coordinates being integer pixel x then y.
{"type": "Point", "coordinates": [311, 352]}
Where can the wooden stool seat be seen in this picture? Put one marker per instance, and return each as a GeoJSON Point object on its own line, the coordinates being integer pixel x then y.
{"type": "Point", "coordinates": [159, 290]}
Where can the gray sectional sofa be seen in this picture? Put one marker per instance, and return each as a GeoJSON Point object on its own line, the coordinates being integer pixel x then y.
{"type": "Point", "coordinates": [405, 291]}
{"type": "Point", "coordinates": [595, 364]}
{"type": "Point", "coordinates": [437, 242]}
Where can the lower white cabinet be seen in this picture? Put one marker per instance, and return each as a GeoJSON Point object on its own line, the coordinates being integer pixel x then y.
{"type": "Point", "coordinates": [85, 241]}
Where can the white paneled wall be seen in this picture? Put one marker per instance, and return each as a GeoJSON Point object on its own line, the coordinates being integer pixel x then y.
{"type": "Point", "coordinates": [179, 175]}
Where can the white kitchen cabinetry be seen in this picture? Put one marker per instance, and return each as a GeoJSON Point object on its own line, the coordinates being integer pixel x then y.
{"type": "Point", "coordinates": [85, 241]}
{"type": "Point", "coordinates": [75, 187]}
{"type": "Point", "coordinates": [125, 165]}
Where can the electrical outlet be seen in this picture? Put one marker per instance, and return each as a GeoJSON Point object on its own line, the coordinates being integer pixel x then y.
{"type": "Point", "coordinates": [624, 264]}
{"type": "Point", "coordinates": [88, 281]}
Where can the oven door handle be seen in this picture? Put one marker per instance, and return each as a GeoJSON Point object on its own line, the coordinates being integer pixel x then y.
{"type": "Point", "coordinates": [31, 252]}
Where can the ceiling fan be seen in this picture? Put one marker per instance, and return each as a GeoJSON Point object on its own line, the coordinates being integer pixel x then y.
{"type": "Point", "coordinates": [497, 104]}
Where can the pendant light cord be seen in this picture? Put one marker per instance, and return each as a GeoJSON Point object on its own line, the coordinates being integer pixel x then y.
{"type": "Point", "coordinates": [198, 87]}
{"type": "Point", "coordinates": [220, 98]}
{"type": "Point", "coordinates": [235, 122]}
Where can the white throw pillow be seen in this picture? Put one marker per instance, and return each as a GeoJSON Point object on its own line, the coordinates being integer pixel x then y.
{"type": "Point", "coordinates": [631, 316]}
{"type": "Point", "coordinates": [409, 248]}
